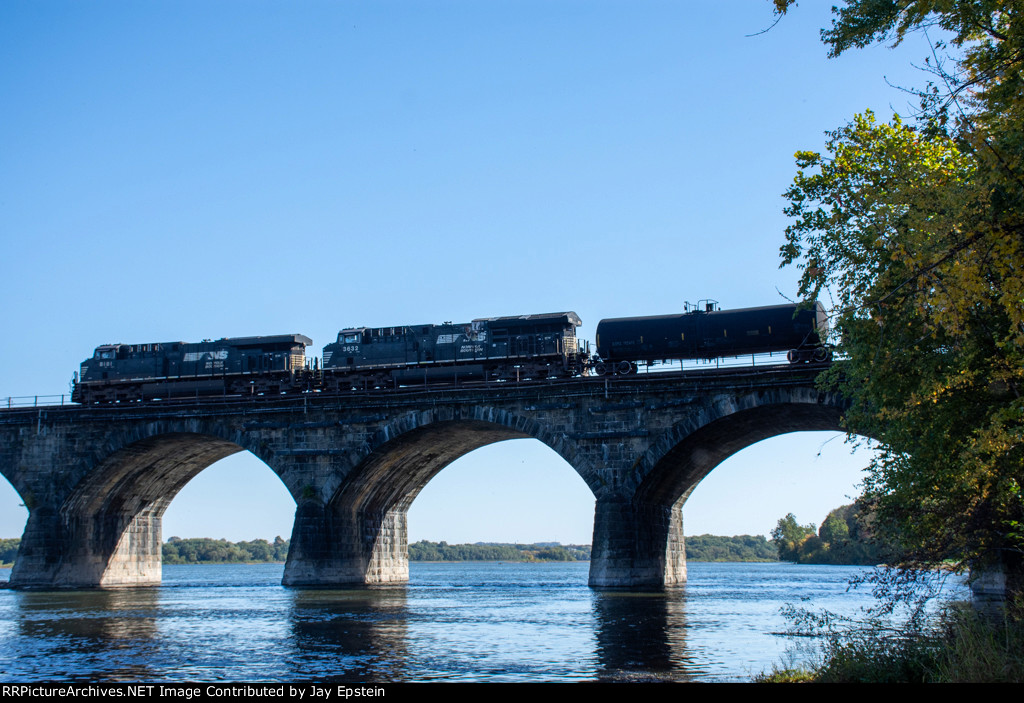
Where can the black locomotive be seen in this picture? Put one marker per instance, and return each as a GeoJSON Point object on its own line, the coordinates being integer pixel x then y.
{"type": "Point", "coordinates": [241, 365]}
{"type": "Point", "coordinates": [704, 332]}
{"type": "Point", "coordinates": [493, 349]}
{"type": "Point", "coordinates": [525, 347]}
{"type": "Point", "coordinates": [489, 349]}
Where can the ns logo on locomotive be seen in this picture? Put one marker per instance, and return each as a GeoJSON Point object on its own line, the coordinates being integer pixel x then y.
{"type": "Point", "coordinates": [492, 349]}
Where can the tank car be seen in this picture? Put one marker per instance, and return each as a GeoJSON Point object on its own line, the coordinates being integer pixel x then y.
{"type": "Point", "coordinates": [239, 365]}
{"type": "Point", "coordinates": [491, 349]}
{"type": "Point", "coordinates": [708, 333]}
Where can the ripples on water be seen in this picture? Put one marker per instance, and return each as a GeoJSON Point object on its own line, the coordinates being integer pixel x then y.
{"type": "Point", "coordinates": [452, 622]}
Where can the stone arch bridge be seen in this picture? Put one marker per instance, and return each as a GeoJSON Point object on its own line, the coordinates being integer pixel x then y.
{"type": "Point", "coordinates": [96, 480]}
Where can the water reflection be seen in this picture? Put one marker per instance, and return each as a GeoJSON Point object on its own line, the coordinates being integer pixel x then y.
{"type": "Point", "coordinates": [452, 622]}
{"type": "Point", "coordinates": [117, 630]}
{"type": "Point", "coordinates": [642, 636]}
{"type": "Point", "coordinates": [349, 635]}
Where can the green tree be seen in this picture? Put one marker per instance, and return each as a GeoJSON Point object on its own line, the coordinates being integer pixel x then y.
{"type": "Point", "coordinates": [280, 549]}
{"type": "Point", "coordinates": [9, 550]}
{"type": "Point", "coordinates": [834, 530]}
{"type": "Point", "coordinates": [842, 539]}
{"type": "Point", "coordinates": [789, 535]}
{"type": "Point", "coordinates": [736, 548]}
{"type": "Point", "coordinates": [916, 232]}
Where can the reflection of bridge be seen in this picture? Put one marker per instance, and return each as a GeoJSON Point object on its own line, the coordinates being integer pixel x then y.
{"type": "Point", "coordinates": [96, 480]}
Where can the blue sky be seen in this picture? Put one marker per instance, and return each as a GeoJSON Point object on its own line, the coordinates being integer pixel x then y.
{"type": "Point", "coordinates": [192, 170]}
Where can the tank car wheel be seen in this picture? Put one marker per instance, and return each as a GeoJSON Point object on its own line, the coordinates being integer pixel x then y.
{"type": "Point", "coordinates": [820, 354]}
{"type": "Point", "coordinates": [793, 356]}
{"type": "Point", "coordinates": [600, 369]}
{"type": "Point", "coordinates": [624, 368]}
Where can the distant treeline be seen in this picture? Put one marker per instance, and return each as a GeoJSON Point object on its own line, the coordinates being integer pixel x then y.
{"type": "Point", "coordinates": [201, 550]}
{"type": "Point", "coordinates": [844, 538]}
{"type": "Point", "coordinates": [8, 550]}
{"type": "Point", "coordinates": [489, 551]}
{"type": "Point", "coordinates": [738, 548]}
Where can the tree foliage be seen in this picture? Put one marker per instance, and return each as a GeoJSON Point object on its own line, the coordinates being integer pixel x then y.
{"type": "Point", "coordinates": [789, 536]}
{"type": "Point", "coordinates": [202, 550]}
{"type": "Point", "coordinates": [916, 233]}
{"type": "Point", "coordinates": [844, 538]}
{"type": "Point", "coordinates": [9, 550]}
{"type": "Point", "coordinates": [442, 551]}
{"type": "Point", "coordinates": [736, 548]}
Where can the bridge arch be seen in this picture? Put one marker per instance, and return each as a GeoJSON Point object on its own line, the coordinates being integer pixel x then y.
{"type": "Point", "coordinates": [13, 510]}
{"type": "Point", "coordinates": [805, 473]}
{"type": "Point", "coordinates": [360, 533]}
{"type": "Point", "coordinates": [639, 539]}
{"type": "Point", "coordinates": [457, 431]}
{"type": "Point", "coordinates": [676, 462]}
{"type": "Point", "coordinates": [109, 522]}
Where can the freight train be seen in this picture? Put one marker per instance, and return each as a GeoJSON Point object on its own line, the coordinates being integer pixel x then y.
{"type": "Point", "coordinates": [494, 349]}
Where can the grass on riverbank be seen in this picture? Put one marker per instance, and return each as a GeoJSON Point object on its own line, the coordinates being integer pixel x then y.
{"type": "Point", "coordinates": [961, 647]}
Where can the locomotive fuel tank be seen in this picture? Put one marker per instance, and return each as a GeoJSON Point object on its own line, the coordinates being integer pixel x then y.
{"type": "Point", "coordinates": [710, 333]}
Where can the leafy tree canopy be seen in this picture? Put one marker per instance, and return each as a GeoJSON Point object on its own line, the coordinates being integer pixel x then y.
{"type": "Point", "coordinates": [915, 231]}
{"type": "Point", "coordinates": [844, 538]}
{"type": "Point", "coordinates": [736, 548]}
{"type": "Point", "coordinates": [789, 535]}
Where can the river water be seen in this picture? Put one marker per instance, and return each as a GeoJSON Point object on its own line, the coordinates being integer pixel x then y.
{"type": "Point", "coordinates": [452, 622]}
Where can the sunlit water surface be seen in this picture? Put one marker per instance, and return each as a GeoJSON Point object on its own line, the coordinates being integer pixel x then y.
{"type": "Point", "coordinates": [451, 622]}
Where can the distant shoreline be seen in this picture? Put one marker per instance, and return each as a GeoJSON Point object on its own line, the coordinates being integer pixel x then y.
{"type": "Point", "coordinates": [204, 550]}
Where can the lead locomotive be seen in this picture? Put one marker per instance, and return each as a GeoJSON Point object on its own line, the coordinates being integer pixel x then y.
{"type": "Point", "coordinates": [241, 365]}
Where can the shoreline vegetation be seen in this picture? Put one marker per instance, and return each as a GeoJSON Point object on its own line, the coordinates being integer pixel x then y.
{"type": "Point", "coordinates": [957, 645]}
{"type": "Point", "coordinates": [202, 550]}
{"type": "Point", "coordinates": [842, 540]}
